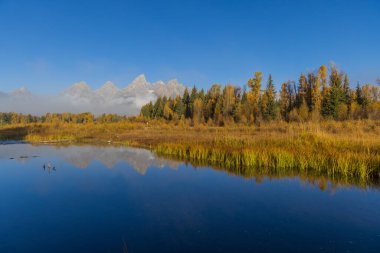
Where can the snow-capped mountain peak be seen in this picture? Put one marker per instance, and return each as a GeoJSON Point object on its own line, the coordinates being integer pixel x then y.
{"type": "Point", "coordinates": [140, 79]}
{"type": "Point", "coordinates": [108, 89]}
{"type": "Point", "coordinates": [78, 88]}
{"type": "Point", "coordinates": [171, 89]}
{"type": "Point", "coordinates": [138, 84]}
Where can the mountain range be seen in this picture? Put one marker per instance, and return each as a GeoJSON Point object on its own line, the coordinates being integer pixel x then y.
{"type": "Point", "coordinates": [81, 98]}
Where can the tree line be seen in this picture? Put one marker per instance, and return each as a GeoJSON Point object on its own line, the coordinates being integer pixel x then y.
{"type": "Point", "coordinates": [78, 118]}
{"type": "Point", "coordinates": [322, 94]}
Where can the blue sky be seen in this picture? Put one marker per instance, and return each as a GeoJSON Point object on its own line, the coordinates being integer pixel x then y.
{"type": "Point", "coordinates": [48, 45]}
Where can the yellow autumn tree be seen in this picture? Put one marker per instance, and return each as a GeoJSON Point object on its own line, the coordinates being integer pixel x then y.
{"type": "Point", "coordinates": [228, 100]}
{"type": "Point", "coordinates": [322, 73]}
{"type": "Point", "coordinates": [198, 111]}
{"type": "Point", "coordinates": [316, 99]}
{"type": "Point", "coordinates": [254, 94]}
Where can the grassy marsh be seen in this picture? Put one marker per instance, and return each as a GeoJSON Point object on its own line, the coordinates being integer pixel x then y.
{"type": "Point", "coordinates": [347, 150]}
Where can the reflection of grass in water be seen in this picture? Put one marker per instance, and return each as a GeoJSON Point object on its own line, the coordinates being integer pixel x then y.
{"type": "Point", "coordinates": [306, 154]}
{"type": "Point", "coordinates": [309, 176]}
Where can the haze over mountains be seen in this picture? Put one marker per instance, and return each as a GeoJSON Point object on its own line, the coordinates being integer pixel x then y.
{"type": "Point", "coordinates": [81, 98]}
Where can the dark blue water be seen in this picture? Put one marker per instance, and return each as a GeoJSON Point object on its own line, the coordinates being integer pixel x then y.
{"type": "Point", "coordinates": [97, 199]}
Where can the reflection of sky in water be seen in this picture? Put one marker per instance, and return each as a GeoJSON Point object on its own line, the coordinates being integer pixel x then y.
{"type": "Point", "coordinates": [182, 210]}
{"type": "Point", "coordinates": [82, 156]}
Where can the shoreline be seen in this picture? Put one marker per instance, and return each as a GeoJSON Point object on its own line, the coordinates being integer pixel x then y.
{"type": "Point", "coordinates": [348, 150]}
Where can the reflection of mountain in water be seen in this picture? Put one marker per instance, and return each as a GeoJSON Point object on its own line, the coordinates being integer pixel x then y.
{"type": "Point", "coordinates": [82, 156]}
{"type": "Point", "coordinates": [139, 159]}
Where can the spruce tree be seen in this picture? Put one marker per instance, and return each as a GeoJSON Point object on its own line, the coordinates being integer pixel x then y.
{"type": "Point", "coordinates": [347, 93]}
{"type": "Point", "coordinates": [179, 108]}
{"type": "Point", "coordinates": [335, 95]}
{"type": "Point", "coordinates": [186, 102]}
{"type": "Point", "coordinates": [284, 101]}
{"type": "Point", "coordinates": [147, 110]}
{"type": "Point", "coordinates": [158, 108]}
{"type": "Point", "coordinates": [269, 101]}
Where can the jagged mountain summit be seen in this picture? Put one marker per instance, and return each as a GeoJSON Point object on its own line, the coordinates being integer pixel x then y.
{"type": "Point", "coordinates": [140, 84]}
{"type": "Point", "coordinates": [81, 98]}
{"type": "Point", "coordinates": [108, 89]}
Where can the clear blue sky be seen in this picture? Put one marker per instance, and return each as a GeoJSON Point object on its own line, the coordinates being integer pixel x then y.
{"type": "Point", "coordinates": [48, 45]}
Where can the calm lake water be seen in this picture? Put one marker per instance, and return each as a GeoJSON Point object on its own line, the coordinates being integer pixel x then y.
{"type": "Point", "coordinates": [97, 199]}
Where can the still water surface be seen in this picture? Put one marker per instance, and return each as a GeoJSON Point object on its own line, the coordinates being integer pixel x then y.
{"type": "Point", "coordinates": [97, 199]}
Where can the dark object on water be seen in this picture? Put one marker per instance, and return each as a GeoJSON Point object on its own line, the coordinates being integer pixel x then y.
{"type": "Point", "coordinates": [49, 167]}
{"type": "Point", "coordinates": [25, 157]}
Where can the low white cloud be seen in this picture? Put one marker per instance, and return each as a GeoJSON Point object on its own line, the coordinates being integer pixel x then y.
{"type": "Point", "coordinates": [81, 98]}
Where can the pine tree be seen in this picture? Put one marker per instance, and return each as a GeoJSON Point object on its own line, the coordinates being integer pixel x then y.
{"type": "Point", "coordinates": [316, 97]}
{"type": "Point", "coordinates": [284, 101]}
{"type": "Point", "coordinates": [347, 93]}
{"type": "Point", "coordinates": [335, 95]}
{"type": "Point", "coordinates": [193, 96]}
{"type": "Point", "coordinates": [360, 97]}
{"type": "Point", "coordinates": [147, 110]}
{"type": "Point", "coordinates": [201, 95]}
{"type": "Point", "coordinates": [311, 83]}
{"type": "Point", "coordinates": [362, 100]}
{"type": "Point", "coordinates": [186, 102]}
{"type": "Point", "coordinates": [158, 108]}
{"type": "Point", "coordinates": [269, 101]}
{"type": "Point", "coordinates": [179, 108]}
